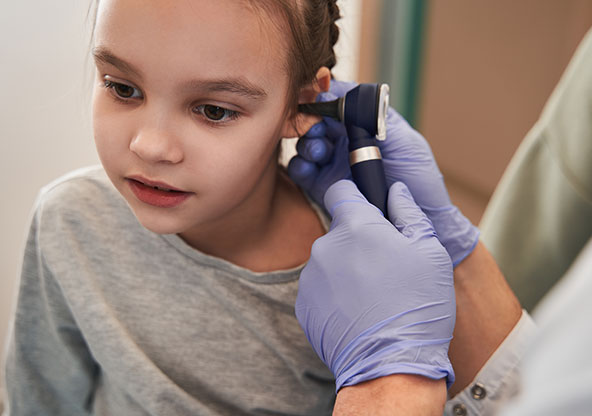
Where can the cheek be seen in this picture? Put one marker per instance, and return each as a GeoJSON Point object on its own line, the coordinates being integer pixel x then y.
{"type": "Point", "coordinates": [108, 131]}
{"type": "Point", "coordinates": [240, 158]}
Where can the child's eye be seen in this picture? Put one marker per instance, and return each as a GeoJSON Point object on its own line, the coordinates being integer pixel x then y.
{"type": "Point", "coordinates": [215, 114]}
{"type": "Point", "coordinates": [122, 91]}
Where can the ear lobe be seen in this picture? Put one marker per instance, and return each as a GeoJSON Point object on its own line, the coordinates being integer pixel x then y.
{"type": "Point", "coordinates": [300, 123]}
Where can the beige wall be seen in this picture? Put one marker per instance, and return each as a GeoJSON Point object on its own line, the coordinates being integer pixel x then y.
{"type": "Point", "coordinates": [369, 39]}
{"type": "Point", "coordinates": [44, 117]}
{"type": "Point", "coordinates": [489, 68]}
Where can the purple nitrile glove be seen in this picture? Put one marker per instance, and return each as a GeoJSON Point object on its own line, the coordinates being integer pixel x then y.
{"type": "Point", "coordinates": [314, 169]}
{"type": "Point", "coordinates": [376, 300]}
{"type": "Point", "coordinates": [407, 158]}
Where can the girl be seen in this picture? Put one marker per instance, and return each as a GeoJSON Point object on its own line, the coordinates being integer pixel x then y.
{"type": "Point", "coordinates": [164, 282]}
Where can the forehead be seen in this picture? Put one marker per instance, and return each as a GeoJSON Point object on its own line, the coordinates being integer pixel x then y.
{"type": "Point", "coordinates": [189, 37]}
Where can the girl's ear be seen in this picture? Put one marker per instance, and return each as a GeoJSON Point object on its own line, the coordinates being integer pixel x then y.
{"type": "Point", "coordinates": [300, 123]}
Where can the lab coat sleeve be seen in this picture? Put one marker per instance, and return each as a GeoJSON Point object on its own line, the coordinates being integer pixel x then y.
{"type": "Point", "coordinates": [48, 368]}
{"type": "Point", "coordinates": [540, 215]}
{"type": "Point", "coordinates": [557, 371]}
{"type": "Point", "coordinates": [498, 380]}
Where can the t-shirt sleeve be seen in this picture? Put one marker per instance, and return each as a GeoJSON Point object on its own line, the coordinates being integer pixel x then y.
{"type": "Point", "coordinates": [498, 380]}
{"type": "Point", "coordinates": [49, 369]}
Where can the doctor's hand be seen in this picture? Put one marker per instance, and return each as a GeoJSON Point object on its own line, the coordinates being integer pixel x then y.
{"type": "Point", "coordinates": [376, 299]}
{"type": "Point", "coordinates": [323, 159]}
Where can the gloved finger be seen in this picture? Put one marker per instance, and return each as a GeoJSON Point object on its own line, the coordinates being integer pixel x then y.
{"type": "Point", "coordinates": [344, 199]}
{"type": "Point", "coordinates": [326, 96]}
{"type": "Point", "coordinates": [328, 128]}
{"type": "Point", "coordinates": [315, 149]}
{"type": "Point", "coordinates": [340, 88]}
{"type": "Point", "coordinates": [302, 171]}
{"type": "Point", "coordinates": [406, 215]}
{"type": "Point", "coordinates": [317, 130]}
{"type": "Point", "coordinates": [334, 128]}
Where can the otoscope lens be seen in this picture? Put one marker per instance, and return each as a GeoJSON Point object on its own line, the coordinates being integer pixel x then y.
{"type": "Point", "coordinates": [383, 105]}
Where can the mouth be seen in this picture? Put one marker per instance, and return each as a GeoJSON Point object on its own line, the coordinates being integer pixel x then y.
{"type": "Point", "coordinates": [162, 186]}
{"type": "Point", "coordinates": [157, 194]}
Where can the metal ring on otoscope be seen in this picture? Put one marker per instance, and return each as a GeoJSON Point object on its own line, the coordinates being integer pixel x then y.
{"type": "Point", "coordinates": [363, 154]}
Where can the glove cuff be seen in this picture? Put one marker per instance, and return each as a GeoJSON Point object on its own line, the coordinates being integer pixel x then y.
{"type": "Point", "coordinates": [398, 358]}
{"type": "Point", "coordinates": [456, 233]}
{"type": "Point", "coordinates": [389, 347]}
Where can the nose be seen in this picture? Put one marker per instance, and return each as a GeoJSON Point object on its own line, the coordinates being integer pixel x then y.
{"type": "Point", "coordinates": [157, 143]}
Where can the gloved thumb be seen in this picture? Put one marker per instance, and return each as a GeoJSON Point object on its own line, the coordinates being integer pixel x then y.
{"type": "Point", "coordinates": [343, 198]}
{"type": "Point", "coordinates": [406, 215]}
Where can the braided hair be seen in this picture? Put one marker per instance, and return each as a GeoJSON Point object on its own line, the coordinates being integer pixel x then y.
{"type": "Point", "coordinates": [320, 18]}
{"type": "Point", "coordinates": [312, 35]}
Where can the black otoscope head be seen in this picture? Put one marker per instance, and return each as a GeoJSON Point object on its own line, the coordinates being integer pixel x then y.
{"type": "Point", "coordinates": [363, 110]}
{"type": "Point", "coordinates": [365, 107]}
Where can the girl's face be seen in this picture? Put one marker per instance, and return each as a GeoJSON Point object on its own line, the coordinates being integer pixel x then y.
{"type": "Point", "coordinates": [190, 96]}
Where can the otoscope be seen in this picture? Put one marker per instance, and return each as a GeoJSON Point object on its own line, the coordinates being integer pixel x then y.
{"type": "Point", "coordinates": [363, 110]}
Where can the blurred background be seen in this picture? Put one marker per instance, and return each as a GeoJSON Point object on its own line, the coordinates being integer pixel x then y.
{"type": "Point", "coordinates": [471, 75]}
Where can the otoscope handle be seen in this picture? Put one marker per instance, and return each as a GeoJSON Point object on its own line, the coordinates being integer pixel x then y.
{"type": "Point", "coordinates": [366, 167]}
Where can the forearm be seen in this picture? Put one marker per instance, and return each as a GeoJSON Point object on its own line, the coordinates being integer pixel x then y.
{"type": "Point", "coordinates": [487, 310]}
{"type": "Point", "coordinates": [398, 394]}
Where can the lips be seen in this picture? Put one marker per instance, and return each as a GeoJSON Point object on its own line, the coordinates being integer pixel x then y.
{"type": "Point", "coordinates": [158, 194]}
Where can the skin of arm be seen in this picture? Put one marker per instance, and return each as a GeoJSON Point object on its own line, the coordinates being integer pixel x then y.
{"type": "Point", "coordinates": [487, 311]}
{"type": "Point", "coordinates": [398, 394]}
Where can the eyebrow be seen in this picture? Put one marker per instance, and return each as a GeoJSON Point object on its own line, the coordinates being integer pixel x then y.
{"type": "Point", "coordinates": [239, 86]}
{"type": "Point", "coordinates": [105, 56]}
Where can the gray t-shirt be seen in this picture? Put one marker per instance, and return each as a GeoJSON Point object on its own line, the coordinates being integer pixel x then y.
{"type": "Point", "coordinates": [113, 319]}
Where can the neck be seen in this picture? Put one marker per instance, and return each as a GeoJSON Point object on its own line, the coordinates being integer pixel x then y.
{"type": "Point", "coordinates": [274, 233]}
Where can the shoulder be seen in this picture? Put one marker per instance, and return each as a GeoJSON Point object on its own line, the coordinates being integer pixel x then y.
{"type": "Point", "coordinates": [566, 121]}
{"type": "Point", "coordinates": [78, 183]}
{"type": "Point", "coordinates": [81, 200]}
{"type": "Point", "coordinates": [84, 186]}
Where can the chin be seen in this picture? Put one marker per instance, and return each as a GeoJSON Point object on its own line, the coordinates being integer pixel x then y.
{"type": "Point", "coordinates": [159, 226]}
{"type": "Point", "coordinates": [160, 223]}
{"type": "Point", "coordinates": [155, 219]}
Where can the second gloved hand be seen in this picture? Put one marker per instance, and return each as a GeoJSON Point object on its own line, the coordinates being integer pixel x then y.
{"type": "Point", "coordinates": [376, 300]}
{"type": "Point", "coordinates": [323, 159]}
